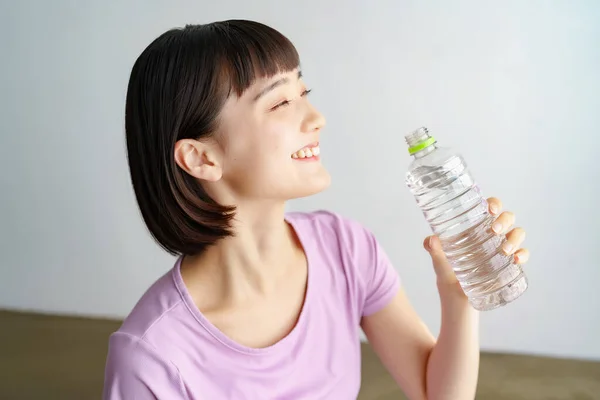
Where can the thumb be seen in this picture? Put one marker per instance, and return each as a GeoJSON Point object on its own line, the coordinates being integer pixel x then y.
{"type": "Point", "coordinates": [442, 267]}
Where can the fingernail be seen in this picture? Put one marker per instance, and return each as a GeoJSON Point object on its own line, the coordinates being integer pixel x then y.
{"type": "Point", "coordinates": [493, 208]}
{"type": "Point", "coordinates": [507, 247]}
{"type": "Point", "coordinates": [497, 227]}
{"type": "Point", "coordinates": [517, 260]}
{"type": "Point", "coordinates": [430, 243]}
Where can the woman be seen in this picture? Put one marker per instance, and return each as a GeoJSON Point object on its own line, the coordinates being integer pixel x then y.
{"type": "Point", "coordinates": [262, 304]}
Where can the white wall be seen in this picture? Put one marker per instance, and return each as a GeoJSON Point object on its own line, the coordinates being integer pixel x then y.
{"type": "Point", "coordinates": [514, 85]}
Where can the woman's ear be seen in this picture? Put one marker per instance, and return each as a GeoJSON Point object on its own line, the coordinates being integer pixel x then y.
{"type": "Point", "coordinates": [202, 160]}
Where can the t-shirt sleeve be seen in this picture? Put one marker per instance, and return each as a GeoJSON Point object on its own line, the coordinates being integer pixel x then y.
{"type": "Point", "coordinates": [375, 279]}
{"type": "Point", "coordinates": [135, 371]}
{"type": "Point", "coordinates": [380, 278]}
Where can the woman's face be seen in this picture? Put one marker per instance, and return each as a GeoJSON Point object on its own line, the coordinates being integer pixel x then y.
{"type": "Point", "coordinates": [268, 143]}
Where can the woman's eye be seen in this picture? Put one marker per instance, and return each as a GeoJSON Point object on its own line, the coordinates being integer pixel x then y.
{"type": "Point", "coordinates": [287, 102]}
{"type": "Point", "coordinates": [282, 104]}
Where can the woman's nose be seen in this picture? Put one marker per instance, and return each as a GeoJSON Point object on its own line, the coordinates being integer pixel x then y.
{"type": "Point", "coordinates": [314, 120]}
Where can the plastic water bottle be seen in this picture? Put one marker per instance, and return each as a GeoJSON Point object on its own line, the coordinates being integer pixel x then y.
{"type": "Point", "coordinates": [457, 213]}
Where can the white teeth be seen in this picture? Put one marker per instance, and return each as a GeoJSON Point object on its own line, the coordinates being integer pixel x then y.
{"type": "Point", "coordinates": [307, 152]}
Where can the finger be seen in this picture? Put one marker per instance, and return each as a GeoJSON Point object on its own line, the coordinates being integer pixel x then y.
{"type": "Point", "coordinates": [514, 239]}
{"type": "Point", "coordinates": [522, 256]}
{"type": "Point", "coordinates": [503, 223]}
{"type": "Point", "coordinates": [433, 245]}
{"type": "Point", "coordinates": [441, 265]}
{"type": "Point", "coordinates": [494, 205]}
{"type": "Point", "coordinates": [427, 243]}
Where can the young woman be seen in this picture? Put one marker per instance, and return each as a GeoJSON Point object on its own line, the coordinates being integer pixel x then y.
{"type": "Point", "coordinates": [263, 304]}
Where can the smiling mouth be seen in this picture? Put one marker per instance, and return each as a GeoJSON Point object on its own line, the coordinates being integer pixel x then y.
{"type": "Point", "coordinates": [308, 152]}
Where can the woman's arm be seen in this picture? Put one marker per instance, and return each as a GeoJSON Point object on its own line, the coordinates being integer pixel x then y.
{"type": "Point", "coordinates": [423, 367]}
{"type": "Point", "coordinates": [453, 366]}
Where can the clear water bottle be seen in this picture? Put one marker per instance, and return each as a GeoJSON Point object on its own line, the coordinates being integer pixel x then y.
{"type": "Point", "coordinates": [458, 214]}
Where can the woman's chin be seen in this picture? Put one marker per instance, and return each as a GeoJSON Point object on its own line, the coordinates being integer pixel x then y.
{"type": "Point", "coordinates": [315, 185]}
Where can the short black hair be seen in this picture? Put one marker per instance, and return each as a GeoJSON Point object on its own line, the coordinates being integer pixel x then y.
{"type": "Point", "coordinates": [177, 89]}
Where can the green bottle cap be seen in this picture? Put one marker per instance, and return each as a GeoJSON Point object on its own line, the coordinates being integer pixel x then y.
{"type": "Point", "coordinates": [421, 145]}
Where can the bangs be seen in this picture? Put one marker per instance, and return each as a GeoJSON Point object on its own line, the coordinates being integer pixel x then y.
{"type": "Point", "coordinates": [250, 51]}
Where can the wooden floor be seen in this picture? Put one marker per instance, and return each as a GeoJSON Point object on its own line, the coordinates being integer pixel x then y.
{"type": "Point", "coordinates": [47, 357]}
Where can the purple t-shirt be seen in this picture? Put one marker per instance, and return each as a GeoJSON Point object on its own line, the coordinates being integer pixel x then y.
{"type": "Point", "coordinates": [167, 349]}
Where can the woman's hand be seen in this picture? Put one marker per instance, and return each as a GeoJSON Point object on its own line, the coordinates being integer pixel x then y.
{"type": "Point", "coordinates": [502, 226]}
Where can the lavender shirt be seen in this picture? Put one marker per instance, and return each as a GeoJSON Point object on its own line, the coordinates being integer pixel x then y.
{"type": "Point", "coordinates": [167, 349]}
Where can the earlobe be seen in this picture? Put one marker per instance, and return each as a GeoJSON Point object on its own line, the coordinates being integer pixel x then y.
{"type": "Point", "coordinates": [197, 159]}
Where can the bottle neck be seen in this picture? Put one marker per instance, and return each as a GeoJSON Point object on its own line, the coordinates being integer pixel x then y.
{"type": "Point", "coordinates": [420, 143]}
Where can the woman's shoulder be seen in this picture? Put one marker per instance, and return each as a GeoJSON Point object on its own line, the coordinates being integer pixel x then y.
{"type": "Point", "coordinates": [334, 232]}
{"type": "Point", "coordinates": [335, 235]}
{"type": "Point", "coordinates": [347, 243]}
{"type": "Point", "coordinates": [332, 221]}
{"type": "Point", "coordinates": [155, 307]}
{"type": "Point", "coordinates": [139, 353]}
{"type": "Point", "coordinates": [136, 369]}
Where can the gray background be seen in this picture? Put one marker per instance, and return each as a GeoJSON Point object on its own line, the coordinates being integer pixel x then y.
{"type": "Point", "coordinates": [513, 85]}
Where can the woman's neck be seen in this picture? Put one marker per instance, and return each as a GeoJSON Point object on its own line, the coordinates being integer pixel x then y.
{"type": "Point", "coordinates": [253, 261]}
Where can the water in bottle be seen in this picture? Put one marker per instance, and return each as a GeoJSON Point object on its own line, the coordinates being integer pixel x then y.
{"type": "Point", "coordinates": [457, 213]}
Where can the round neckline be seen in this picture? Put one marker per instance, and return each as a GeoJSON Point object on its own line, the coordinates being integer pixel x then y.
{"type": "Point", "coordinates": [217, 334]}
